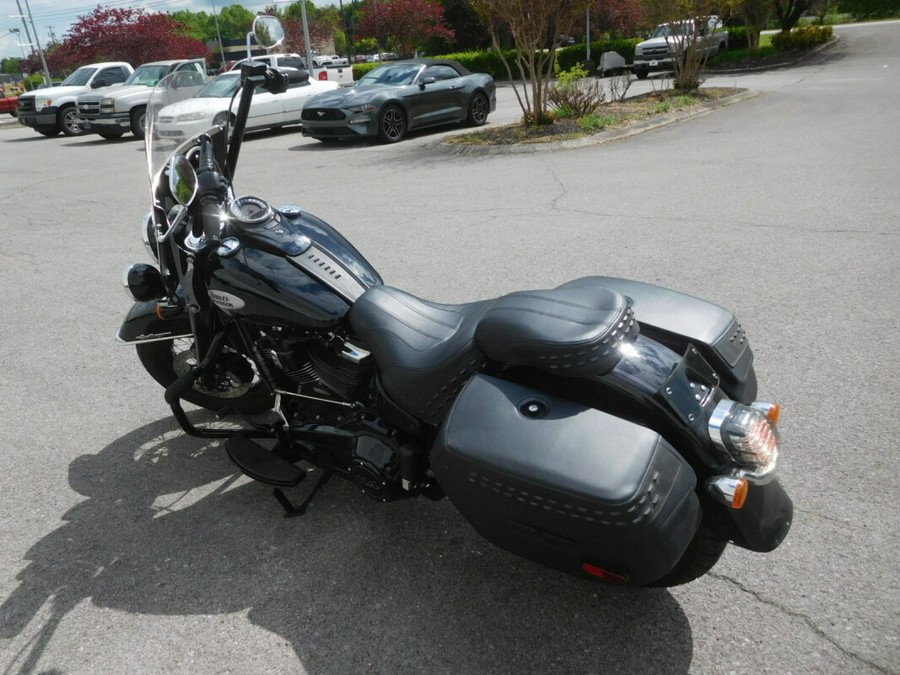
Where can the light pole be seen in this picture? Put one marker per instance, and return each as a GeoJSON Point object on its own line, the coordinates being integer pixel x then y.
{"type": "Point", "coordinates": [218, 34]}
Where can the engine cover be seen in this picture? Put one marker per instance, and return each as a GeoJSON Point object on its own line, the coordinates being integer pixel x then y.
{"type": "Point", "coordinates": [563, 484]}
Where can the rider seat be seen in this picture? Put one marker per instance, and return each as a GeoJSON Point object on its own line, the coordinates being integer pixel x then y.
{"type": "Point", "coordinates": [427, 351]}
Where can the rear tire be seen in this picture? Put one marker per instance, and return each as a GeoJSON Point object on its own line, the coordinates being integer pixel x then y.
{"type": "Point", "coordinates": [49, 132]}
{"type": "Point", "coordinates": [110, 135]}
{"type": "Point", "coordinates": [699, 557]}
{"type": "Point", "coordinates": [168, 359]}
{"type": "Point", "coordinates": [138, 121]}
{"type": "Point", "coordinates": [68, 121]}
{"type": "Point", "coordinates": [479, 107]}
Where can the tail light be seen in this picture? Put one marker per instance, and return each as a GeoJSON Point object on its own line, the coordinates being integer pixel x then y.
{"type": "Point", "coordinates": [747, 434]}
{"type": "Point", "coordinates": [323, 75]}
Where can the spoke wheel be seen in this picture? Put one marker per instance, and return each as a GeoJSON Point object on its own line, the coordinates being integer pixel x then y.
{"type": "Point", "coordinates": [391, 124]}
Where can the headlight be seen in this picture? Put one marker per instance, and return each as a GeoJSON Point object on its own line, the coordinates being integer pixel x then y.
{"type": "Point", "coordinates": [190, 117]}
{"type": "Point", "coordinates": [108, 102]}
{"type": "Point", "coordinates": [367, 108]}
{"type": "Point", "coordinates": [41, 103]}
{"type": "Point", "coordinates": [747, 434]}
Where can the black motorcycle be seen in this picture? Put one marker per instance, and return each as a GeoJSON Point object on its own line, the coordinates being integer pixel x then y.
{"type": "Point", "coordinates": [607, 428]}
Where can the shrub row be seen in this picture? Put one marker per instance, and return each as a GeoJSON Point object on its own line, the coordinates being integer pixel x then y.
{"type": "Point", "coordinates": [737, 37]}
{"type": "Point", "coordinates": [489, 61]}
{"type": "Point", "coordinates": [802, 38]}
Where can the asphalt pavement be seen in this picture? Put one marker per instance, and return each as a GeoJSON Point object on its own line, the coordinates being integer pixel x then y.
{"type": "Point", "coordinates": [126, 546]}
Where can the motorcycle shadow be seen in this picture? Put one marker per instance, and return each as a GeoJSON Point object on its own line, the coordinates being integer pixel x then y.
{"type": "Point", "coordinates": [169, 527]}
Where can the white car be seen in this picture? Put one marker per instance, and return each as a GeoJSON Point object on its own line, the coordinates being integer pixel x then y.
{"type": "Point", "coordinates": [208, 107]}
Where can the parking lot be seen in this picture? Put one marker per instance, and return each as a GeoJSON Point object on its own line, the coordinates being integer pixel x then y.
{"type": "Point", "coordinates": [127, 546]}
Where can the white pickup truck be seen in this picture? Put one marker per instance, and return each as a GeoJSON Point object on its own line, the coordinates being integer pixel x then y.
{"type": "Point", "coordinates": [114, 111]}
{"type": "Point", "coordinates": [670, 39]}
{"type": "Point", "coordinates": [325, 69]}
{"type": "Point", "coordinates": [51, 110]}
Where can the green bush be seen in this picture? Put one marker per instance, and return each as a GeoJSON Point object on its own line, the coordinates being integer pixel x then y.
{"type": "Point", "coordinates": [738, 38]}
{"type": "Point", "coordinates": [802, 38]}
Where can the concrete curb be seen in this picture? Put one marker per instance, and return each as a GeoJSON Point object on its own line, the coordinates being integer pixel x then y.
{"type": "Point", "coordinates": [588, 141]}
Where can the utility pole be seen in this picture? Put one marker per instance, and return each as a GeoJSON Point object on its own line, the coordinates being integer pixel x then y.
{"type": "Point", "coordinates": [219, 35]}
{"type": "Point", "coordinates": [37, 41]}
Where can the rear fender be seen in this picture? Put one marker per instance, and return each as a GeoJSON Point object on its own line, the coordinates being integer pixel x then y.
{"type": "Point", "coordinates": [143, 324]}
{"type": "Point", "coordinates": [677, 320]}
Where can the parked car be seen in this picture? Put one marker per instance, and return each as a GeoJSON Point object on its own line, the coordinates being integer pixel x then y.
{"type": "Point", "coordinates": [52, 109]}
{"type": "Point", "coordinates": [210, 105]}
{"type": "Point", "coordinates": [669, 39]}
{"type": "Point", "coordinates": [395, 98]}
{"type": "Point", "coordinates": [323, 67]}
{"type": "Point", "coordinates": [9, 104]}
{"type": "Point", "coordinates": [121, 108]}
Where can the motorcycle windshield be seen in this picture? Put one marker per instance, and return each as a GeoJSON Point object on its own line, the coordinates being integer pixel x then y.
{"type": "Point", "coordinates": [165, 136]}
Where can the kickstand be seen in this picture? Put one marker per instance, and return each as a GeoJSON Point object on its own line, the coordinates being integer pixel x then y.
{"type": "Point", "coordinates": [291, 511]}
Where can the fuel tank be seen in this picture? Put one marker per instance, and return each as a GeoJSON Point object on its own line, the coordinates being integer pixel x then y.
{"type": "Point", "coordinates": [285, 267]}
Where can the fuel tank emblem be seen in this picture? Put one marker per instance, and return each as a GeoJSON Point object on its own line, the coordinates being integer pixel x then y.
{"type": "Point", "coordinates": [226, 300]}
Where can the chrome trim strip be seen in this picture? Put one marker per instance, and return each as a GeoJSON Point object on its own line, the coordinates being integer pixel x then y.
{"type": "Point", "coordinates": [313, 398]}
{"type": "Point", "coordinates": [120, 341]}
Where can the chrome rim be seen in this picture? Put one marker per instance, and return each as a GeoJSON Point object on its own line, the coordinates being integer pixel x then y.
{"type": "Point", "coordinates": [70, 121]}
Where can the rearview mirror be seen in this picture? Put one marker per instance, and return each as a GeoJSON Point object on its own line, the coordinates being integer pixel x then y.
{"type": "Point", "coordinates": [268, 32]}
{"type": "Point", "coordinates": [182, 180]}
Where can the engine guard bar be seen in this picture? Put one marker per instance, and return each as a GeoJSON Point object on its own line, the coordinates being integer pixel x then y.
{"type": "Point", "coordinates": [185, 381]}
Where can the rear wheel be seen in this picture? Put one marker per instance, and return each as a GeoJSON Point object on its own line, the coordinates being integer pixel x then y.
{"type": "Point", "coordinates": [391, 124]}
{"type": "Point", "coordinates": [68, 121]}
{"type": "Point", "coordinates": [237, 384]}
{"type": "Point", "coordinates": [110, 135]}
{"type": "Point", "coordinates": [49, 132]}
{"type": "Point", "coordinates": [138, 120]}
{"type": "Point", "coordinates": [479, 107]}
{"type": "Point", "coordinates": [699, 557]}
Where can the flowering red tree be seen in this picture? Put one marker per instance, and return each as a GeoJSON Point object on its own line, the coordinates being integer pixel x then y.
{"type": "Point", "coordinates": [409, 23]}
{"type": "Point", "coordinates": [622, 17]}
{"type": "Point", "coordinates": [112, 34]}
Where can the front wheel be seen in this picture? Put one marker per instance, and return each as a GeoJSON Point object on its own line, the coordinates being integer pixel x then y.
{"type": "Point", "coordinates": [236, 382]}
{"type": "Point", "coordinates": [391, 124]}
{"type": "Point", "coordinates": [641, 73]}
{"type": "Point", "coordinates": [68, 121]}
{"type": "Point", "coordinates": [138, 121]}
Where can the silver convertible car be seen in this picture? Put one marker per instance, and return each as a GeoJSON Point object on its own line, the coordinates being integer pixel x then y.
{"type": "Point", "coordinates": [398, 97]}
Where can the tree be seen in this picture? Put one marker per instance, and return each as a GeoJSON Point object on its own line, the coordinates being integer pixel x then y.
{"type": "Point", "coordinates": [619, 17]}
{"type": "Point", "coordinates": [469, 32]}
{"type": "Point", "coordinates": [112, 34]}
{"type": "Point", "coordinates": [687, 20]}
{"type": "Point", "coordinates": [407, 23]}
{"type": "Point", "coordinates": [755, 14]}
{"type": "Point", "coordinates": [789, 12]}
{"type": "Point", "coordinates": [322, 23]}
{"type": "Point", "coordinates": [536, 27]}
